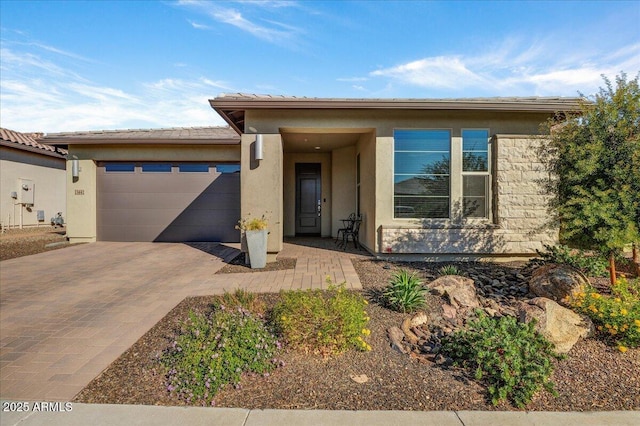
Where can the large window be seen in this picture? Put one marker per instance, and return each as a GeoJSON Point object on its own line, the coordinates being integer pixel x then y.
{"type": "Point", "coordinates": [422, 166]}
{"type": "Point", "coordinates": [424, 173]}
{"type": "Point", "coordinates": [475, 173]}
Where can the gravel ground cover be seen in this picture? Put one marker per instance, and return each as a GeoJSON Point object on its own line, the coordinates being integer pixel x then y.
{"type": "Point", "coordinates": [593, 377]}
{"type": "Point", "coordinates": [23, 242]}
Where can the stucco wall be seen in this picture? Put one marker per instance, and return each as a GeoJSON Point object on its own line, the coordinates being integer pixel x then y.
{"type": "Point", "coordinates": [82, 195]}
{"type": "Point", "coordinates": [261, 186]}
{"type": "Point", "coordinates": [48, 176]}
{"type": "Point", "coordinates": [343, 184]}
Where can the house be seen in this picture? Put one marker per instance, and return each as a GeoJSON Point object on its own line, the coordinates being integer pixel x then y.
{"type": "Point", "coordinates": [430, 177]}
{"type": "Point", "coordinates": [32, 180]}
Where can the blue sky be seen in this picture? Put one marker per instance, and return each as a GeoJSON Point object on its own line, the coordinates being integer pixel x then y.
{"type": "Point", "coordinates": [74, 65]}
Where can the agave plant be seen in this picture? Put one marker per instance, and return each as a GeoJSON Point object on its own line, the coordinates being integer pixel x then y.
{"type": "Point", "coordinates": [405, 292]}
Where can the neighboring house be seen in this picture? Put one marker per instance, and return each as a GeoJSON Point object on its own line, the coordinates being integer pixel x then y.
{"type": "Point", "coordinates": [32, 180]}
{"type": "Point", "coordinates": [430, 177]}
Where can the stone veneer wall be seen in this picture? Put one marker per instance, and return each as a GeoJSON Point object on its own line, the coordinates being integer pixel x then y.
{"type": "Point", "coordinates": [519, 212]}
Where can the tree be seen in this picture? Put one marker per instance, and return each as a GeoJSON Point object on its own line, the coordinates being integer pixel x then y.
{"type": "Point", "coordinates": [593, 160]}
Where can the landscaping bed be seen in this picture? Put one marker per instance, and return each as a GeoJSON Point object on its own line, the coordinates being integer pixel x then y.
{"type": "Point", "coordinates": [594, 375]}
{"type": "Point", "coordinates": [17, 242]}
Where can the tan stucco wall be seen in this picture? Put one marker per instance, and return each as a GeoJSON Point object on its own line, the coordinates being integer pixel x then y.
{"type": "Point", "coordinates": [289, 193]}
{"type": "Point", "coordinates": [82, 196]}
{"type": "Point", "coordinates": [343, 186]}
{"type": "Point", "coordinates": [48, 177]}
{"type": "Point", "coordinates": [261, 186]}
{"type": "Point", "coordinates": [369, 198]}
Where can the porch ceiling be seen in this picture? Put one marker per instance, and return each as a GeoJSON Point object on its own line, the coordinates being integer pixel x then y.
{"type": "Point", "coordinates": [314, 140]}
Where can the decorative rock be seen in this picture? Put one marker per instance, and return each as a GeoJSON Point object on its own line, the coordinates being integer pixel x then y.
{"type": "Point", "coordinates": [460, 290]}
{"type": "Point", "coordinates": [419, 319]}
{"type": "Point", "coordinates": [408, 334]}
{"type": "Point", "coordinates": [559, 325]}
{"type": "Point", "coordinates": [396, 336]}
{"type": "Point", "coordinates": [557, 282]}
{"type": "Point", "coordinates": [361, 378]}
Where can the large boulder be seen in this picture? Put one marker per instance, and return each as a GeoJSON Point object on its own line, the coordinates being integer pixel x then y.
{"type": "Point", "coordinates": [557, 282]}
{"type": "Point", "coordinates": [561, 326]}
{"type": "Point", "coordinates": [460, 291]}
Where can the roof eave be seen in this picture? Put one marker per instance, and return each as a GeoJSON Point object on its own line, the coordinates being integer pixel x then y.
{"type": "Point", "coordinates": [124, 141]}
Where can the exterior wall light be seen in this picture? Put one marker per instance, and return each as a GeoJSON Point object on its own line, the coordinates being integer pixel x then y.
{"type": "Point", "coordinates": [258, 147]}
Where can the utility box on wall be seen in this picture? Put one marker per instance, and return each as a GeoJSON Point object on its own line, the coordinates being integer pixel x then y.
{"type": "Point", "coordinates": [25, 191]}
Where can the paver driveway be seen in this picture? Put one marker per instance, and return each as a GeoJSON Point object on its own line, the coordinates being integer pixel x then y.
{"type": "Point", "coordinates": [67, 314]}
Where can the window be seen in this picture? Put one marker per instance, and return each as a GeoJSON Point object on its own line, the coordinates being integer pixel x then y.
{"type": "Point", "coordinates": [422, 162]}
{"type": "Point", "coordinates": [475, 173]}
{"type": "Point", "coordinates": [119, 167]}
{"type": "Point", "coordinates": [228, 168]}
{"type": "Point", "coordinates": [156, 168]}
{"type": "Point", "coordinates": [193, 168]}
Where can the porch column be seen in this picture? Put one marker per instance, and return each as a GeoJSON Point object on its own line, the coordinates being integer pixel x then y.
{"type": "Point", "coordinates": [261, 186]}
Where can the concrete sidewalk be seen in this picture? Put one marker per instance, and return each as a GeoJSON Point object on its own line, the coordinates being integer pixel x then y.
{"type": "Point", "coordinates": [130, 415]}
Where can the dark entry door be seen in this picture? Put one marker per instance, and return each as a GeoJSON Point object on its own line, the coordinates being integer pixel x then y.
{"type": "Point", "coordinates": [308, 199]}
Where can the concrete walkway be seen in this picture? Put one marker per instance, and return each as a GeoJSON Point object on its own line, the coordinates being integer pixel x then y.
{"type": "Point", "coordinates": [95, 414]}
{"type": "Point", "coordinates": [65, 315]}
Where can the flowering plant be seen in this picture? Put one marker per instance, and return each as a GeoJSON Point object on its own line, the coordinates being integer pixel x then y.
{"type": "Point", "coordinates": [255, 224]}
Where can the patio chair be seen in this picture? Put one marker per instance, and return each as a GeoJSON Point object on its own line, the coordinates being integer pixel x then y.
{"type": "Point", "coordinates": [348, 225]}
{"type": "Point", "coordinates": [353, 233]}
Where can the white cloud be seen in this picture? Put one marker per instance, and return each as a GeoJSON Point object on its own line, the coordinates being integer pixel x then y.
{"type": "Point", "coordinates": [511, 70]}
{"type": "Point", "coordinates": [269, 30]}
{"type": "Point", "coordinates": [39, 95]}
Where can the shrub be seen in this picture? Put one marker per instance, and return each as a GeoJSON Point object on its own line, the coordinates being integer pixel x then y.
{"type": "Point", "coordinates": [510, 357]}
{"type": "Point", "coordinates": [240, 299]}
{"type": "Point", "coordinates": [326, 322]}
{"type": "Point", "coordinates": [215, 350]}
{"type": "Point", "coordinates": [617, 315]}
{"type": "Point", "coordinates": [405, 292]}
{"type": "Point", "coordinates": [592, 265]}
{"type": "Point", "coordinates": [449, 270]}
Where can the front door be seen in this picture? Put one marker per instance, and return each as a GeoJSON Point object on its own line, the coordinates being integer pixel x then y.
{"type": "Point", "coordinates": [308, 199]}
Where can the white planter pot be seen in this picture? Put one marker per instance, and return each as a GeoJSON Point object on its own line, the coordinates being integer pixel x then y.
{"type": "Point", "coordinates": [257, 248]}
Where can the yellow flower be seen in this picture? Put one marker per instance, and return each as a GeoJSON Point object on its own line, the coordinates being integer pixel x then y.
{"type": "Point", "coordinates": [595, 295]}
{"type": "Point", "coordinates": [366, 331]}
{"type": "Point", "coordinates": [283, 318]}
{"type": "Point", "coordinates": [599, 328]}
{"type": "Point", "coordinates": [617, 299]}
{"type": "Point", "coordinates": [607, 326]}
{"type": "Point", "coordinates": [366, 303]}
{"type": "Point", "coordinates": [637, 322]}
{"type": "Point", "coordinates": [623, 311]}
{"type": "Point", "coordinates": [622, 349]}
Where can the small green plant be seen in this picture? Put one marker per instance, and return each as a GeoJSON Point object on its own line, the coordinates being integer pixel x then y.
{"type": "Point", "coordinates": [592, 265]}
{"type": "Point", "coordinates": [325, 322]}
{"type": "Point", "coordinates": [617, 316]}
{"type": "Point", "coordinates": [405, 292]}
{"type": "Point", "coordinates": [449, 270]}
{"type": "Point", "coordinates": [510, 357]}
{"type": "Point", "coordinates": [215, 350]}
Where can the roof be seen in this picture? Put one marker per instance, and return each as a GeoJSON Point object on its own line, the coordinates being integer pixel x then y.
{"type": "Point", "coordinates": [29, 142]}
{"type": "Point", "coordinates": [232, 106]}
{"type": "Point", "coordinates": [223, 135]}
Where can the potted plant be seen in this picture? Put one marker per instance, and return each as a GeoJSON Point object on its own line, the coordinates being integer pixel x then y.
{"type": "Point", "coordinates": [254, 240]}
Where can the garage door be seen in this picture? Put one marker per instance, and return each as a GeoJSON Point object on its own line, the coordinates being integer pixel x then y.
{"type": "Point", "coordinates": [166, 202]}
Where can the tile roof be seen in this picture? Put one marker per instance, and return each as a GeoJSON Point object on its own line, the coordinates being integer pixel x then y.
{"type": "Point", "coordinates": [30, 140]}
{"type": "Point", "coordinates": [224, 134]}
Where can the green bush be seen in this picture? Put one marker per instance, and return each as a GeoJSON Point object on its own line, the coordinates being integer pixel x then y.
{"type": "Point", "coordinates": [592, 265]}
{"type": "Point", "coordinates": [325, 322]}
{"type": "Point", "coordinates": [616, 315]}
{"type": "Point", "coordinates": [510, 357]}
{"type": "Point", "coordinates": [405, 292]}
{"type": "Point", "coordinates": [215, 350]}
